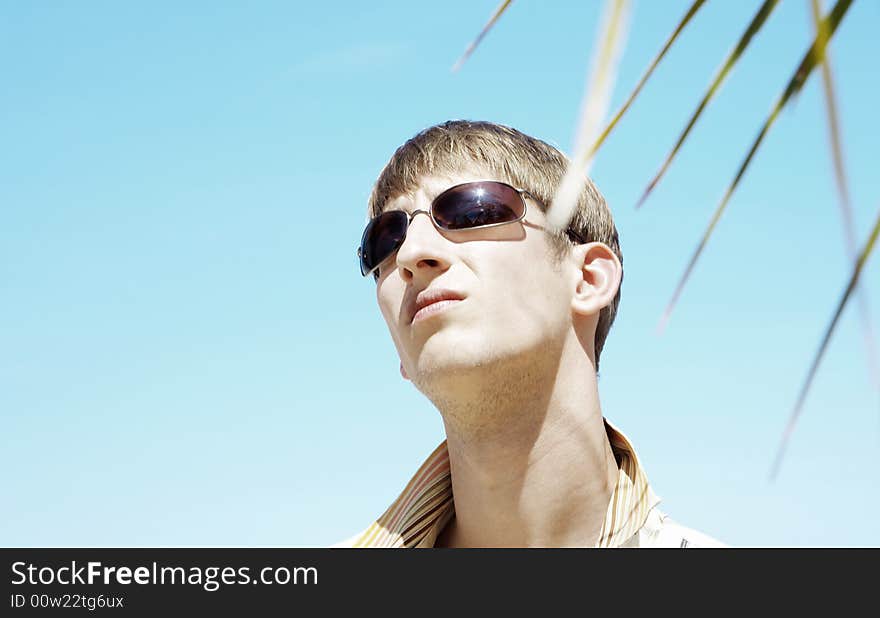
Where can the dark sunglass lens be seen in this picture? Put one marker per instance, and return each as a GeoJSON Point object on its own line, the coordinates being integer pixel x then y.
{"type": "Point", "coordinates": [477, 204]}
{"type": "Point", "coordinates": [382, 237]}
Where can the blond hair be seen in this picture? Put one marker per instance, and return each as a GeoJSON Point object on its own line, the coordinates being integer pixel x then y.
{"type": "Point", "coordinates": [528, 163]}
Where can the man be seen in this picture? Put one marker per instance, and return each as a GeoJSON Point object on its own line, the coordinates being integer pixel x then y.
{"type": "Point", "coordinates": [500, 322]}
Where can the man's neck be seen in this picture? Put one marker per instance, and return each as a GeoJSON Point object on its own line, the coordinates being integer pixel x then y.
{"type": "Point", "coordinates": [535, 468]}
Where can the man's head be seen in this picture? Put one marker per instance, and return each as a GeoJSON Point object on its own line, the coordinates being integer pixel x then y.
{"type": "Point", "coordinates": [522, 286]}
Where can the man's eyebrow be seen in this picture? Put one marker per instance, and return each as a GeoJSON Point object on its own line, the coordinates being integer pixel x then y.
{"type": "Point", "coordinates": [387, 205]}
{"type": "Point", "coordinates": [431, 192]}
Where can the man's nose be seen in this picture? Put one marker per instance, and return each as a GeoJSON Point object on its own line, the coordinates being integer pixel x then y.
{"type": "Point", "coordinates": [425, 251]}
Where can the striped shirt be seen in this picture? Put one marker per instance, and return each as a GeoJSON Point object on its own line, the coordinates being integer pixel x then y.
{"type": "Point", "coordinates": [422, 510]}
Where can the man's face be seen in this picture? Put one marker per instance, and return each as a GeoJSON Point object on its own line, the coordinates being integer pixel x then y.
{"type": "Point", "coordinates": [508, 296]}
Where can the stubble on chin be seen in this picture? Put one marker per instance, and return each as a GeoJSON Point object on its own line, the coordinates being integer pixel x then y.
{"type": "Point", "coordinates": [487, 397]}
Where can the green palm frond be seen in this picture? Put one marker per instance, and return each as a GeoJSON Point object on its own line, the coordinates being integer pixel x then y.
{"type": "Point", "coordinates": [853, 280]}
{"type": "Point", "coordinates": [473, 45]}
{"type": "Point", "coordinates": [846, 214]}
{"type": "Point", "coordinates": [648, 72]}
{"type": "Point", "coordinates": [831, 108]}
{"type": "Point", "coordinates": [849, 229]}
{"type": "Point", "coordinates": [754, 26]}
{"type": "Point", "coordinates": [805, 68]}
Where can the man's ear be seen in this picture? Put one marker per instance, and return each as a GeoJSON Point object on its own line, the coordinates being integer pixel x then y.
{"type": "Point", "coordinates": [600, 276]}
{"type": "Point", "coordinates": [403, 372]}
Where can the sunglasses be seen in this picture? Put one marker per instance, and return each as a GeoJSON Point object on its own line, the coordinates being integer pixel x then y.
{"type": "Point", "coordinates": [468, 206]}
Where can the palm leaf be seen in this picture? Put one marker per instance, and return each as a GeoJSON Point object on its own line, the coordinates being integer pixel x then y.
{"type": "Point", "coordinates": [470, 48]}
{"type": "Point", "coordinates": [808, 63]}
{"type": "Point", "coordinates": [732, 58]}
{"type": "Point", "coordinates": [620, 112]}
{"type": "Point", "coordinates": [860, 263]}
{"type": "Point", "coordinates": [600, 83]}
{"type": "Point", "coordinates": [843, 194]}
{"type": "Point", "coordinates": [833, 123]}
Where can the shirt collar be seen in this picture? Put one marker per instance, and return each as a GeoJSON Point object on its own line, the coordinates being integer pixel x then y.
{"type": "Point", "coordinates": [425, 506]}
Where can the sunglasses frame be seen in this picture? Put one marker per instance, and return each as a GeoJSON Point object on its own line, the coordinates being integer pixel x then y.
{"type": "Point", "coordinates": [522, 193]}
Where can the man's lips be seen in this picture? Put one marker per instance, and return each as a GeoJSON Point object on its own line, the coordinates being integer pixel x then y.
{"type": "Point", "coordinates": [433, 308]}
{"type": "Point", "coordinates": [432, 301]}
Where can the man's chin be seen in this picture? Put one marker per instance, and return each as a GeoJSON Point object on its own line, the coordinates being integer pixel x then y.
{"type": "Point", "coordinates": [433, 371]}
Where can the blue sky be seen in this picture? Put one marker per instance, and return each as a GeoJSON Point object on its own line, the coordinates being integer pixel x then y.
{"type": "Point", "coordinates": [189, 356]}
